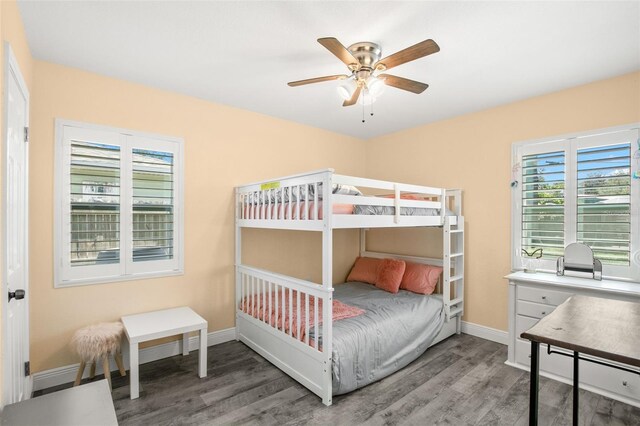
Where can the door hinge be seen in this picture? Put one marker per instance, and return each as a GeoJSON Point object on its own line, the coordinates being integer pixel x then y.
{"type": "Point", "coordinates": [27, 368]}
{"type": "Point", "coordinates": [26, 134]}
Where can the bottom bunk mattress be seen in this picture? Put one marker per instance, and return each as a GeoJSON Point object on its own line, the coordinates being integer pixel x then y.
{"type": "Point", "coordinates": [394, 330]}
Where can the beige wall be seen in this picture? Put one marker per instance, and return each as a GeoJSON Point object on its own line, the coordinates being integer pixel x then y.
{"type": "Point", "coordinates": [224, 147]}
{"type": "Point", "coordinates": [12, 32]}
{"type": "Point", "coordinates": [473, 152]}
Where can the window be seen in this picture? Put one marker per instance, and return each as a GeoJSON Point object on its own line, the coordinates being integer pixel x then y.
{"type": "Point", "coordinates": [580, 188]}
{"type": "Point", "coordinates": [118, 205]}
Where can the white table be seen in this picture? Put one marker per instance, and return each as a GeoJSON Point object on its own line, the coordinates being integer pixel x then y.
{"type": "Point", "coordinates": [159, 324]}
{"type": "Point", "coordinates": [89, 404]}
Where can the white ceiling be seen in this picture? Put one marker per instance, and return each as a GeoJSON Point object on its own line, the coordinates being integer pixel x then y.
{"type": "Point", "coordinates": [243, 53]}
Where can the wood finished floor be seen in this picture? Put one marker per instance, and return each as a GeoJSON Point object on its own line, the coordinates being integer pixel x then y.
{"type": "Point", "coordinates": [461, 381]}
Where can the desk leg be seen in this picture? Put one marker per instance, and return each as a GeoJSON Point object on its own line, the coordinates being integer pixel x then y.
{"type": "Point", "coordinates": [535, 376]}
{"type": "Point", "coordinates": [133, 369]}
{"type": "Point", "coordinates": [185, 344]}
{"type": "Point", "coordinates": [203, 353]}
{"type": "Point", "coordinates": [576, 387]}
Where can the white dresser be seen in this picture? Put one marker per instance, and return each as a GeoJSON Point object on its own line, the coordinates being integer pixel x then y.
{"type": "Point", "coordinates": [533, 296]}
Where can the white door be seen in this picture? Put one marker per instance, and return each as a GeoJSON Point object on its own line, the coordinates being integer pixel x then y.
{"type": "Point", "coordinates": [15, 267]}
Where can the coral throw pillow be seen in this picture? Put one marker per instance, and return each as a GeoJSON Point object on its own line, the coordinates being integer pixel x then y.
{"type": "Point", "coordinates": [419, 278]}
{"type": "Point", "coordinates": [365, 270]}
{"type": "Point", "coordinates": [390, 274]}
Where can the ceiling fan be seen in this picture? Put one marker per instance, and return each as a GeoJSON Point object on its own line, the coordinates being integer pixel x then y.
{"type": "Point", "coordinates": [363, 60]}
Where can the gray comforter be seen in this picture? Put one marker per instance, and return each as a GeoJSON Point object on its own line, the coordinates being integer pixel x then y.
{"type": "Point", "coordinates": [395, 330]}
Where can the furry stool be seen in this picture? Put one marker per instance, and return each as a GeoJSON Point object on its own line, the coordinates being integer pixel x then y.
{"type": "Point", "coordinates": [95, 343]}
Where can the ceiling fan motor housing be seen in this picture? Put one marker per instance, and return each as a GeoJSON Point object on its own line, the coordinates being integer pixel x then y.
{"type": "Point", "coordinates": [366, 53]}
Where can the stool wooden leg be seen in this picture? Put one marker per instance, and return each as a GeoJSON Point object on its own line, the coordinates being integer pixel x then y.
{"type": "Point", "coordinates": [118, 357]}
{"type": "Point", "coordinates": [105, 368]}
{"type": "Point", "coordinates": [79, 375]}
{"type": "Point", "coordinates": [92, 371]}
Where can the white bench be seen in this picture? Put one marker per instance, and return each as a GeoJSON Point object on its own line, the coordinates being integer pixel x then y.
{"type": "Point", "coordinates": [158, 324]}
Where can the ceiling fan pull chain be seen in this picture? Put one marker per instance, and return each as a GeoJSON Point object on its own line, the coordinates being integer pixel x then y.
{"type": "Point", "coordinates": [363, 95]}
{"type": "Point", "coordinates": [372, 106]}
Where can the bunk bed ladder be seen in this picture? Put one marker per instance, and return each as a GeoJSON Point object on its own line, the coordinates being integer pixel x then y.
{"type": "Point", "coordinates": [453, 269]}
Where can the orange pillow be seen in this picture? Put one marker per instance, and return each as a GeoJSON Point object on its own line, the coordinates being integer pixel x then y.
{"type": "Point", "coordinates": [364, 270]}
{"type": "Point", "coordinates": [390, 274]}
{"type": "Point", "coordinates": [419, 278]}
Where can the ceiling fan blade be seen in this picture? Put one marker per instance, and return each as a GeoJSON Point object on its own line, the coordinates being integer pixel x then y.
{"type": "Point", "coordinates": [334, 46]}
{"type": "Point", "coordinates": [316, 80]}
{"type": "Point", "coordinates": [354, 97]}
{"type": "Point", "coordinates": [414, 52]}
{"type": "Point", "coordinates": [403, 83]}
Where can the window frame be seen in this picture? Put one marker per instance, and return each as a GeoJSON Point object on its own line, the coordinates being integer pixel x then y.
{"type": "Point", "coordinates": [570, 144]}
{"type": "Point", "coordinates": [126, 269]}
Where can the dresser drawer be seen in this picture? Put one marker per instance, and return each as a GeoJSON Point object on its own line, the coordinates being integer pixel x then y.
{"type": "Point", "coordinates": [554, 364]}
{"type": "Point", "coordinates": [610, 379]}
{"type": "Point", "coordinates": [541, 295]}
{"type": "Point", "coordinates": [534, 310]}
{"type": "Point", "coordinates": [601, 377]}
{"type": "Point", "coordinates": [523, 324]}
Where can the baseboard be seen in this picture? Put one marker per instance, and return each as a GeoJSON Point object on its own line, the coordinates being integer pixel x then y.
{"type": "Point", "coordinates": [484, 332]}
{"type": "Point", "coordinates": [61, 375]}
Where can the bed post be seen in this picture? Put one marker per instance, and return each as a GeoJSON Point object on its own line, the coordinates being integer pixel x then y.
{"type": "Point", "coordinates": [327, 284]}
{"type": "Point", "coordinates": [363, 241]}
{"type": "Point", "coordinates": [446, 265]}
{"type": "Point", "coordinates": [453, 259]}
{"type": "Point", "coordinates": [238, 255]}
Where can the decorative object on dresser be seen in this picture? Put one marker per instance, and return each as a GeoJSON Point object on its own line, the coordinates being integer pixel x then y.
{"type": "Point", "coordinates": [605, 328]}
{"type": "Point", "coordinates": [579, 257]}
{"type": "Point", "coordinates": [530, 262]}
{"type": "Point", "coordinates": [533, 297]}
{"type": "Point", "coordinates": [95, 343]}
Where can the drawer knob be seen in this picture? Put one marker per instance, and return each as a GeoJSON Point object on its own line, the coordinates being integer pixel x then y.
{"type": "Point", "coordinates": [544, 313]}
{"type": "Point", "coordinates": [544, 297]}
{"type": "Point", "coordinates": [624, 383]}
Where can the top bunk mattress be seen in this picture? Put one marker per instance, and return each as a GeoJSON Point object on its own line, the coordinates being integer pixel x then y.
{"type": "Point", "coordinates": [394, 330]}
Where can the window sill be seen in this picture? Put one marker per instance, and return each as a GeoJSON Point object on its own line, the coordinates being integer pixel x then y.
{"type": "Point", "coordinates": [107, 280]}
{"type": "Point", "coordinates": [567, 281]}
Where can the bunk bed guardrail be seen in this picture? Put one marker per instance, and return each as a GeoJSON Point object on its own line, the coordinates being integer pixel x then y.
{"type": "Point", "coordinates": [303, 202]}
{"type": "Point", "coordinates": [279, 316]}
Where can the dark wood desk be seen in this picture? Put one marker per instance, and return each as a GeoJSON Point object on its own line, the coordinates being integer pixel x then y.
{"type": "Point", "coordinates": [605, 328]}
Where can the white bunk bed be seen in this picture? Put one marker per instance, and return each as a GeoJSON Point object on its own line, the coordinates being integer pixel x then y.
{"type": "Point", "coordinates": [306, 202]}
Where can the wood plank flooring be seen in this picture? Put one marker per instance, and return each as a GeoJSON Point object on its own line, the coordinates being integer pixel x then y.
{"type": "Point", "coordinates": [461, 381]}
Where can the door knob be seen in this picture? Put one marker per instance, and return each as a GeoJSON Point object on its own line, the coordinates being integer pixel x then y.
{"type": "Point", "coordinates": [18, 294]}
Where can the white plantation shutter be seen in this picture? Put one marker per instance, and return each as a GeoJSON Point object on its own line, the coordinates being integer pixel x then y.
{"type": "Point", "coordinates": [94, 203]}
{"type": "Point", "coordinates": [604, 202]}
{"type": "Point", "coordinates": [579, 189]}
{"type": "Point", "coordinates": [119, 205]}
{"type": "Point", "coordinates": [543, 197]}
{"type": "Point", "coordinates": [153, 201]}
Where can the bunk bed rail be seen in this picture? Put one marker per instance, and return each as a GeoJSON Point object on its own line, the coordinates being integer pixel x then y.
{"type": "Point", "coordinates": [281, 318]}
{"type": "Point", "coordinates": [304, 202]}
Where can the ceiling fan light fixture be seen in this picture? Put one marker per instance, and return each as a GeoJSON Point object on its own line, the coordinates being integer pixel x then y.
{"type": "Point", "coordinates": [346, 89]}
{"type": "Point", "coordinates": [376, 86]}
